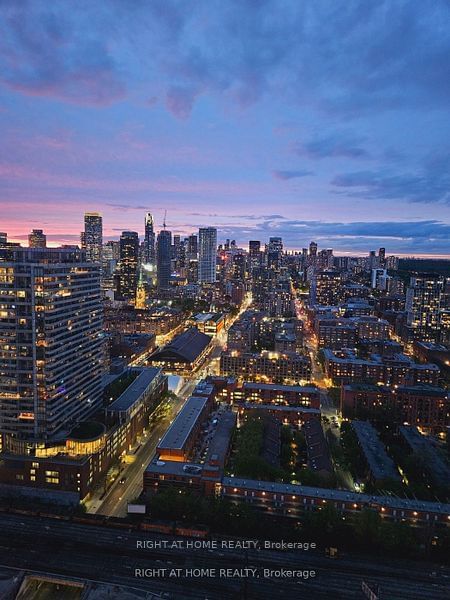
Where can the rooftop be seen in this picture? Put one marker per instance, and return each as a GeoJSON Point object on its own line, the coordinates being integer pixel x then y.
{"type": "Point", "coordinates": [135, 390]}
{"type": "Point", "coordinates": [173, 467]}
{"type": "Point", "coordinates": [316, 446]}
{"type": "Point", "coordinates": [309, 389]}
{"type": "Point", "coordinates": [185, 347]}
{"type": "Point", "coordinates": [422, 444]}
{"type": "Point", "coordinates": [178, 433]}
{"type": "Point", "coordinates": [365, 387]}
{"type": "Point", "coordinates": [432, 346]}
{"type": "Point", "coordinates": [380, 464]}
{"type": "Point", "coordinates": [337, 495]}
{"type": "Point", "coordinates": [204, 317]}
{"type": "Point", "coordinates": [423, 389]}
{"type": "Point", "coordinates": [282, 408]}
{"type": "Point", "coordinates": [218, 446]}
{"type": "Point", "coordinates": [87, 430]}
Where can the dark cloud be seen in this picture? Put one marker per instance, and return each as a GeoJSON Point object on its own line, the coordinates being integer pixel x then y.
{"type": "Point", "coordinates": [343, 57]}
{"type": "Point", "coordinates": [247, 217]}
{"type": "Point", "coordinates": [340, 144]}
{"type": "Point", "coordinates": [127, 206]}
{"type": "Point", "coordinates": [45, 53]}
{"type": "Point", "coordinates": [398, 236]}
{"type": "Point", "coordinates": [294, 174]}
{"type": "Point", "coordinates": [429, 184]}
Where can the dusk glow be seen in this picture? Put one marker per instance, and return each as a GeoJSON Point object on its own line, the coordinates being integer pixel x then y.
{"type": "Point", "coordinates": [224, 299]}
{"type": "Point", "coordinates": [305, 120]}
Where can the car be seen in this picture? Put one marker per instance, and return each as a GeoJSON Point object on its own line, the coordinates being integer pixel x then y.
{"type": "Point", "coordinates": [122, 481]}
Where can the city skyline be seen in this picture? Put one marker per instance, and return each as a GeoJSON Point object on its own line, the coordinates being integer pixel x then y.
{"type": "Point", "coordinates": [244, 244]}
{"type": "Point", "coordinates": [312, 122]}
{"type": "Point", "coordinates": [225, 299]}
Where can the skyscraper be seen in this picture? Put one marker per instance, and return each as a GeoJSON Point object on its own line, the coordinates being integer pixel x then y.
{"type": "Point", "coordinates": [424, 303]}
{"type": "Point", "coordinates": [176, 247]}
{"type": "Point", "coordinates": [37, 239]}
{"type": "Point", "coordinates": [149, 240]}
{"type": "Point", "coordinates": [313, 249]}
{"type": "Point", "coordinates": [128, 266]}
{"type": "Point", "coordinates": [163, 254]}
{"type": "Point", "coordinates": [110, 258]}
{"type": "Point", "coordinates": [255, 256]}
{"type": "Point", "coordinates": [382, 257]}
{"type": "Point", "coordinates": [51, 352]}
{"type": "Point", "coordinates": [274, 252]}
{"type": "Point", "coordinates": [373, 260]}
{"type": "Point", "coordinates": [93, 236]}
{"type": "Point", "coordinates": [207, 255]}
{"type": "Point", "coordinates": [192, 247]}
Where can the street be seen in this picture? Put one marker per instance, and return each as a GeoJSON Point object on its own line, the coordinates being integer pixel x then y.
{"type": "Point", "coordinates": [114, 503]}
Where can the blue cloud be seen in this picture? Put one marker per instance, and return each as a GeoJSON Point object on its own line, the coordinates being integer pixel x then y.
{"type": "Point", "coordinates": [398, 236]}
{"type": "Point", "coordinates": [340, 144]}
{"type": "Point", "coordinates": [293, 174]}
{"type": "Point", "coordinates": [346, 57]}
{"type": "Point", "coordinates": [429, 184]}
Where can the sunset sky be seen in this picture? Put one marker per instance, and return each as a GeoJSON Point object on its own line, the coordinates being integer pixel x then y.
{"type": "Point", "coordinates": [321, 119]}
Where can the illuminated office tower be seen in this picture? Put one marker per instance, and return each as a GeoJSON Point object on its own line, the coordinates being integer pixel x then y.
{"type": "Point", "coordinates": [255, 255]}
{"type": "Point", "coordinates": [149, 240]}
{"type": "Point", "coordinates": [110, 258]}
{"type": "Point", "coordinates": [275, 253]}
{"type": "Point", "coordinates": [128, 265]}
{"type": "Point", "coordinates": [176, 248]}
{"type": "Point", "coordinates": [50, 344]}
{"type": "Point", "coordinates": [373, 260]}
{"type": "Point", "coordinates": [163, 257]}
{"type": "Point", "coordinates": [207, 254]}
{"type": "Point", "coordinates": [93, 236]}
{"type": "Point", "coordinates": [192, 247]}
{"type": "Point", "coordinates": [313, 249]}
{"type": "Point", "coordinates": [239, 266]}
{"type": "Point", "coordinates": [424, 303]}
{"type": "Point", "coordinates": [37, 239]}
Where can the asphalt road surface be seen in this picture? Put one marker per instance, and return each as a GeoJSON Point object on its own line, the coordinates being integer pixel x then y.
{"type": "Point", "coordinates": [116, 500]}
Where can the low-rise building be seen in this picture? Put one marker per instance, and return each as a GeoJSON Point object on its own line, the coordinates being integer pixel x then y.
{"type": "Point", "coordinates": [126, 319]}
{"type": "Point", "coordinates": [316, 447]}
{"type": "Point", "coordinates": [291, 395]}
{"type": "Point", "coordinates": [436, 353]}
{"type": "Point", "coordinates": [291, 501]}
{"type": "Point", "coordinates": [380, 467]}
{"type": "Point", "coordinates": [184, 353]}
{"type": "Point", "coordinates": [346, 367]}
{"type": "Point", "coordinates": [180, 439]}
{"type": "Point", "coordinates": [422, 405]}
{"type": "Point", "coordinates": [335, 333]}
{"type": "Point", "coordinates": [425, 448]}
{"type": "Point", "coordinates": [209, 323]}
{"type": "Point", "coordinates": [287, 415]}
{"type": "Point", "coordinates": [267, 366]}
